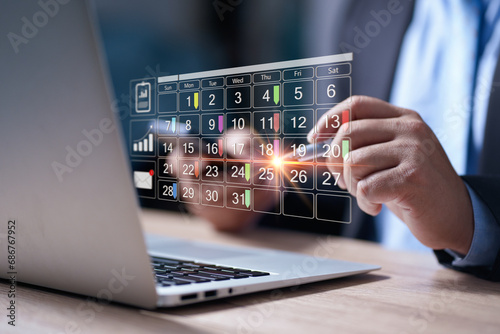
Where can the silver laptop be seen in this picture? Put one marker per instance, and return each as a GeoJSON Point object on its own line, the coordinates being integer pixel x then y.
{"type": "Point", "coordinates": [68, 207]}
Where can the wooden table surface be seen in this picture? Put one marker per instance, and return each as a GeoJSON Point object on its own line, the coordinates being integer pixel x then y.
{"type": "Point", "coordinates": [411, 294]}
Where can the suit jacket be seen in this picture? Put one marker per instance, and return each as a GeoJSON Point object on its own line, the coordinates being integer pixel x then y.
{"type": "Point", "coordinates": [373, 71]}
{"type": "Point", "coordinates": [384, 50]}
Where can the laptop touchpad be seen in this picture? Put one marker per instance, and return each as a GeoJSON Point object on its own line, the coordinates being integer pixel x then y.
{"type": "Point", "coordinates": [158, 245]}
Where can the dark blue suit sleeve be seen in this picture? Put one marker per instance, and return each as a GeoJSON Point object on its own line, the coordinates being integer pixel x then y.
{"type": "Point", "coordinates": [488, 189]}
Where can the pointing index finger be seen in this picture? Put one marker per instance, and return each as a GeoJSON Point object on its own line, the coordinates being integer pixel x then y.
{"type": "Point", "coordinates": [362, 107]}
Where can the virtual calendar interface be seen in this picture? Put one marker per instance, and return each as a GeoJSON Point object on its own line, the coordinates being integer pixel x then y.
{"type": "Point", "coordinates": [236, 138]}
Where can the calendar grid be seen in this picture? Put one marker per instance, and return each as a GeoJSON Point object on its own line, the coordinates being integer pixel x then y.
{"type": "Point", "coordinates": [236, 138]}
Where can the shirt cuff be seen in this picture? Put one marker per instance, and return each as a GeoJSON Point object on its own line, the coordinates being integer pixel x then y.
{"type": "Point", "coordinates": [486, 239]}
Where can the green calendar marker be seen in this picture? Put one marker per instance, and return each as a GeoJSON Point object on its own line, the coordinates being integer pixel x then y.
{"type": "Point", "coordinates": [276, 94]}
{"type": "Point", "coordinates": [247, 198]}
{"type": "Point", "coordinates": [247, 171]}
{"type": "Point", "coordinates": [345, 148]}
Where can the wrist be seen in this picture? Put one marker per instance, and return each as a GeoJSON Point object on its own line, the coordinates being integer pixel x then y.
{"type": "Point", "coordinates": [461, 239]}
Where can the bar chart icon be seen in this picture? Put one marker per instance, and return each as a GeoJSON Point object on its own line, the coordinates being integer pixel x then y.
{"type": "Point", "coordinates": [142, 137]}
{"type": "Point", "coordinates": [144, 144]}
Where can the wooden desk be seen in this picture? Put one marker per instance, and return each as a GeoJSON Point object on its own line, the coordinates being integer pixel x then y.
{"type": "Point", "coordinates": [411, 294]}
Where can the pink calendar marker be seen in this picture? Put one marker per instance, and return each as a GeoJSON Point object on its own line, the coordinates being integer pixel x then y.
{"type": "Point", "coordinates": [276, 148]}
{"type": "Point", "coordinates": [221, 123]}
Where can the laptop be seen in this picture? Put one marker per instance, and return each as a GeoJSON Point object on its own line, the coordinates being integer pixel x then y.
{"type": "Point", "coordinates": [68, 201]}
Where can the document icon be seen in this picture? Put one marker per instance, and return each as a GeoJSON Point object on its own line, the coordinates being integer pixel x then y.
{"type": "Point", "coordinates": [143, 97]}
{"type": "Point", "coordinates": [143, 180]}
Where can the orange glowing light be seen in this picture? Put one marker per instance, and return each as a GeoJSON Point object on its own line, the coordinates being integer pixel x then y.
{"type": "Point", "coordinates": [277, 162]}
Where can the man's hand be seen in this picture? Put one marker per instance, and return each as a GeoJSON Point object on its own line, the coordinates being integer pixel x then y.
{"type": "Point", "coordinates": [397, 160]}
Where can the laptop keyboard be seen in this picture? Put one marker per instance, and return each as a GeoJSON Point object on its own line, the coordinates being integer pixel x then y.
{"type": "Point", "coordinates": [169, 272]}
